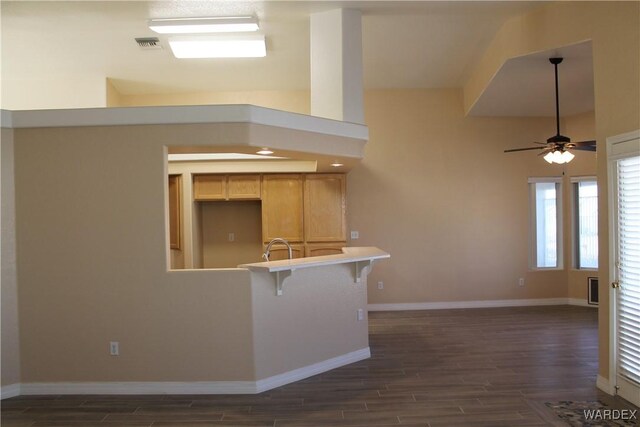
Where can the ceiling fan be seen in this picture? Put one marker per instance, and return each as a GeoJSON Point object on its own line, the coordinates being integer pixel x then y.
{"type": "Point", "coordinates": [556, 149]}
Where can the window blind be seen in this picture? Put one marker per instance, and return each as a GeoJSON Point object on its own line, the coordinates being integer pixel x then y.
{"type": "Point", "coordinates": [629, 268]}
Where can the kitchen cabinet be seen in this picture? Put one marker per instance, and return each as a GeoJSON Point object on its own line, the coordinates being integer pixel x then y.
{"type": "Point", "coordinates": [209, 187]}
{"type": "Point", "coordinates": [226, 187]}
{"type": "Point", "coordinates": [280, 251]}
{"type": "Point", "coordinates": [175, 202]}
{"type": "Point", "coordinates": [243, 187]}
{"type": "Point", "coordinates": [282, 207]}
{"type": "Point", "coordinates": [325, 208]}
{"type": "Point", "coordinates": [320, 249]}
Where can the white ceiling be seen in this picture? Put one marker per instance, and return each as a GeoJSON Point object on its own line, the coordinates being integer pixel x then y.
{"type": "Point", "coordinates": [413, 44]}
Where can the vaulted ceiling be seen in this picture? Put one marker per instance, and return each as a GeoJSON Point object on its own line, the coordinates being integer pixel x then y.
{"type": "Point", "coordinates": [413, 44]}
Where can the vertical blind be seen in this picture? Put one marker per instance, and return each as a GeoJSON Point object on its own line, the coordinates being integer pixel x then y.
{"type": "Point", "coordinates": [629, 268]}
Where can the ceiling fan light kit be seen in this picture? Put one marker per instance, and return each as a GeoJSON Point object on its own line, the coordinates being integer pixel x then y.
{"type": "Point", "coordinates": [556, 149]}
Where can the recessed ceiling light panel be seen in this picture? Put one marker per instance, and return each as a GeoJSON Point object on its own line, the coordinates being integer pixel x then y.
{"type": "Point", "coordinates": [204, 25]}
{"type": "Point", "coordinates": [218, 46]}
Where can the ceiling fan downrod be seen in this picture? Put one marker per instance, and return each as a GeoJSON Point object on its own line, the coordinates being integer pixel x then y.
{"type": "Point", "coordinates": [557, 137]}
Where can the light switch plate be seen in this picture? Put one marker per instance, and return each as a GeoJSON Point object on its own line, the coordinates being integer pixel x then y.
{"type": "Point", "coordinates": [355, 235]}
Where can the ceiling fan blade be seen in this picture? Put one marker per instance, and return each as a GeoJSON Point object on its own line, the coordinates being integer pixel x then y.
{"type": "Point", "coordinates": [548, 150]}
{"type": "Point", "coordinates": [591, 143]}
{"type": "Point", "coordinates": [584, 148]}
{"type": "Point", "coordinates": [541, 143]}
{"type": "Point", "coordinates": [523, 149]}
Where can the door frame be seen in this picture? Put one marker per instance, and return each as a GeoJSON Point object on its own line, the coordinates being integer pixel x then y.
{"type": "Point", "coordinates": [617, 147]}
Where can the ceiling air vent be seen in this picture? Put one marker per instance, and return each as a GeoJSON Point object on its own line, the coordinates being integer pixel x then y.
{"type": "Point", "coordinates": [148, 43]}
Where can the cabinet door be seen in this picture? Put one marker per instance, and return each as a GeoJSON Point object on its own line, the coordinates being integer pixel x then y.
{"type": "Point", "coordinates": [279, 251]}
{"type": "Point", "coordinates": [209, 187]}
{"type": "Point", "coordinates": [245, 187]}
{"type": "Point", "coordinates": [325, 208]}
{"type": "Point", "coordinates": [175, 203]}
{"type": "Point", "coordinates": [282, 207]}
{"type": "Point", "coordinates": [320, 249]}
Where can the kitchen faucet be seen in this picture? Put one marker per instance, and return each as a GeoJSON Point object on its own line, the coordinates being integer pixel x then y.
{"type": "Point", "coordinates": [266, 253]}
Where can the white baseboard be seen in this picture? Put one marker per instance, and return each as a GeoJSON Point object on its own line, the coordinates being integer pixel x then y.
{"type": "Point", "coordinates": [311, 370]}
{"type": "Point", "coordinates": [581, 302]}
{"type": "Point", "coordinates": [8, 391]}
{"type": "Point", "coordinates": [443, 305]}
{"type": "Point", "coordinates": [467, 304]}
{"type": "Point", "coordinates": [605, 385]}
{"type": "Point", "coordinates": [195, 387]}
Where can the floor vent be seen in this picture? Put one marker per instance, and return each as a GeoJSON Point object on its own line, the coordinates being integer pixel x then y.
{"type": "Point", "coordinates": [148, 43]}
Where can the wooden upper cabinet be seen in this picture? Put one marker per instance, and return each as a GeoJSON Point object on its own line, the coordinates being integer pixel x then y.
{"type": "Point", "coordinates": [325, 208]}
{"type": "Point", "coordinates": [282, 204]}
{"type": "Point", "coordinates": [209, 187]}
{"type": "Point", "coordinates": [226, 187]}
{"type": "Point", "coordinates": [245, 187]}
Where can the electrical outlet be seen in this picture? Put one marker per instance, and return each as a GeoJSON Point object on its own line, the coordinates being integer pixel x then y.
{"type": "Point", "coordinates": [360, 314]}
{"type": "Point", "coordinates": [355, 235]}
{"type": "Point", "coordinates": [521, 281]}
{"type": "Point", "coordinates": [114, 348]}
{"type": "Point", "coordinates": [232, 237]}
{"type": "Point", "coordinates": [380, 285]}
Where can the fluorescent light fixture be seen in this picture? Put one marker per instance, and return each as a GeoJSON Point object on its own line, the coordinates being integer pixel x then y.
{"type": "Point", "coordinates": [229, 24]}
{"type": "Point", "coordinates": [191, 157]}
{"type": "Point", "coordinates": [218, 47]}
{"type": "Point", "coordinates": [264, 151]}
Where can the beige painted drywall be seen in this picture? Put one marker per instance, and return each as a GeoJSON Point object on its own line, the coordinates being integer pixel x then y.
{"type": "Point", "coordinates": [580, 127]}
{"type": "Point", "coordinates": [92, 261]}
{"type": "Point", "coordinates": [294, 101]}
{"type": "Point", "coordinates": [58, 91]}
{"type": "Point", "coordinates": [92, 265]}
{"type": "Point", "coordinates": [437, 192]}
{"type": "Point", "coordinates": [614, 28]}
{"type": "Point", "coordinates": [218, 219]}
{"type": "Point", "coordinates": [316, 302]}
{"type": "Point", "coordinates": [9, 292]}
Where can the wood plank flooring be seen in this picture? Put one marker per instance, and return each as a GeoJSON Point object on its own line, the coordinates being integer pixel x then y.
{"type": "Point", "coordinates": [475, 367]}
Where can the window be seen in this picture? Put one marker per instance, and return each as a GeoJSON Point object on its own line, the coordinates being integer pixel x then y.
{"type": "Point", "coordinates": [546, 226]}
{"type": "Point", "coordinates": [585, 191]}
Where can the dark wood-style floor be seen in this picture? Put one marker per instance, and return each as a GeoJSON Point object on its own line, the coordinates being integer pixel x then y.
{"type": "Point", "coordinates": [480, 367]}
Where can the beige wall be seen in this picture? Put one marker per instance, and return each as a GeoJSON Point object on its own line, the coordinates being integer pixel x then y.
{"type": "Point", "coordinates": [614, 28]}
{"type": "Point", "coordinates": [92, 262]}
{"type": "Point", "coordinates": [218, 219]}
{"type": "Point", "coordinates": [297, 101]}
{"type": "Point", "coordinates": [316, 302]}
{"type": "Point", "coordinates": [580, 127]}
{"type": "Point", "coordinates": [436, 191]}
{"type": "Point", "coordinates": [9, 293]}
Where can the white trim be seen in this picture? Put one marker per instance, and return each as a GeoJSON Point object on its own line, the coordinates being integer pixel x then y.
{"type": "Point", "coordinates": [575, 179]}
{"type": "Point", "coordinates": [537, 179]}
{"type": "Point", "coordinates": [311, 370]}
{"type": "Point", "coordinates": [605, 385]}
{"type": "Point", "coordinates": [581, 302]}
{"type": "Point", "coordinates": [443, 305]}
{"type": "Point", "coordinates": [184, 114]}
{"type": "Point", "coordinates": [195, 387]}
{"type": "Point", "coordinates": [9, 391]}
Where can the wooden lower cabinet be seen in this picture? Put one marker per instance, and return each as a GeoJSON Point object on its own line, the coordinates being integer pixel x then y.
{"type": "Point", "coordinates": [279, 251]}
{"type": "Point", "coordinates": [319, 249]}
